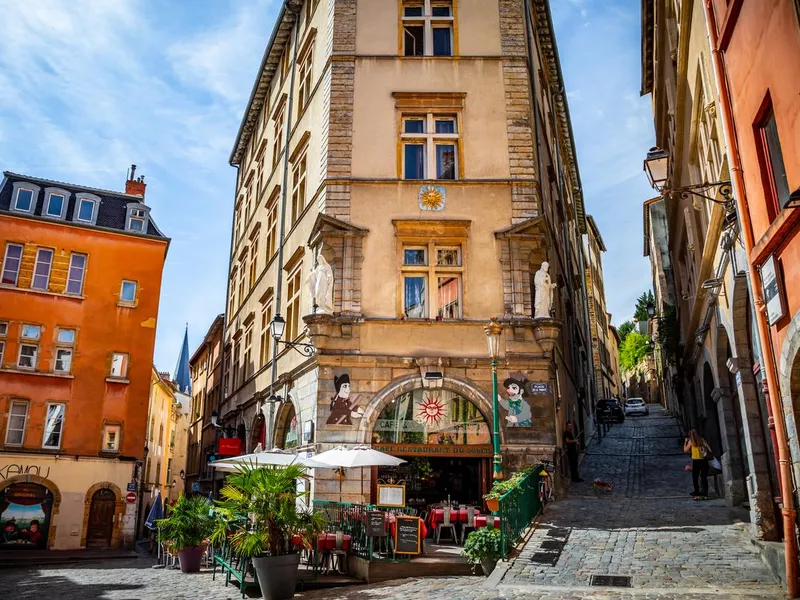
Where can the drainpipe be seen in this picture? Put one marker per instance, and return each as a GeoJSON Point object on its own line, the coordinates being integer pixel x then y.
{"type": "Point", "coordinates": [279, 284]}
{"type": "Point", "coordinates": [785, 474]}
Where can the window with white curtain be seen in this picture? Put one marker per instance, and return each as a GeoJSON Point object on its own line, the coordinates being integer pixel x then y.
{"type": "Point", "coordinates": [54, 426]}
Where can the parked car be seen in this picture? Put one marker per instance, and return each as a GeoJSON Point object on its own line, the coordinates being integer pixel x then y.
{"type": "Point", "coordinates": [636, 406]}
{"type": "Point", "coordinates": [610, 410]}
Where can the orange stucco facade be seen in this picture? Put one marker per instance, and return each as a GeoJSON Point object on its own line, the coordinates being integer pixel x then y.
{"type": "Point", "coordinates": [102, 327]}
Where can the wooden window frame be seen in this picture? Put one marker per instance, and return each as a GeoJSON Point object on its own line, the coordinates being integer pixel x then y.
{"type": "Point", "coordinates": [768, 178]}
{"type": "Point", "coordinates": [294, 287]}
{"type": "Point", "coordinates": [36, 268]}
{"type": "Point", "coordinates": [299, 186]}
{"type": "Point", "coordinates": [19, 263]}
{"type": "Point", "coordinates": [61, 429]}
{"type": "Point", "coordinates": [17, 401]}
{"type": "Point", "coordinates": [82, 280]}
{"type": "Point", "coordinates": [428, 23]}
{"type": "Point", "coordinates": [431, 140]}
{"type": "Point", "coordinates": [265, 337]}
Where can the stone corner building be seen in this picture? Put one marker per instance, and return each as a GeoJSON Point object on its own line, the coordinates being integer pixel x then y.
{"type": "Point", "coordinates": [430, 161]}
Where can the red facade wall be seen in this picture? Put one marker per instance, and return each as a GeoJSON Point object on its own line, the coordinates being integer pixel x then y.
{"type": "Point", "coordinates": [761, 46]}
{"type": "Point", "coordinates": [102, 327]}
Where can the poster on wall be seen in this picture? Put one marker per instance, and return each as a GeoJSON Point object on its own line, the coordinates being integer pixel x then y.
{"type": "Point", "coordinates": [25, 516]}
{"type": "Point", "coordinates": [516, 401]}
{"type": "Point", "coordinates": [773, 290]}
{"type": "Point", "coordinates": [344, 408]}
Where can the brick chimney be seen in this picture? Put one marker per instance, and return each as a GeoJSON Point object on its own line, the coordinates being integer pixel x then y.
{"type": "Point", "coordinates": [135, 185]}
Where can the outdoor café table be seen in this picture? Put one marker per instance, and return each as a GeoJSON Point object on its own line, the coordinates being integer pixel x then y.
{"type": "Point", "coordinates": [327, 542]}
{"type": "Point", "coordinates": [480, 521]}
{"type": "Point", "coordinates": [456, 516]}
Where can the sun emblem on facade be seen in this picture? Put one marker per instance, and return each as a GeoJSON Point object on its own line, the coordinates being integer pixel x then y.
{"type": "Point", "coordinates": [431, 409]}
{"type": "Point", "coordinates": [432, 197]}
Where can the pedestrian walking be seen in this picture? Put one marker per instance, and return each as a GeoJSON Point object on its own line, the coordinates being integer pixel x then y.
{"type": "Point", "coordinates": [573, 446]}
{"type": "Point", "coordinates": [700, 452]}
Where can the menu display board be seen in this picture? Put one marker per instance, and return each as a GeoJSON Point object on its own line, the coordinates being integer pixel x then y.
{"type": "Point", "coordinates": [376, 523]}
{"type": "Point", "coordinates": [408, 535]}
{"type": "Point", "coordinates": [391, 495]}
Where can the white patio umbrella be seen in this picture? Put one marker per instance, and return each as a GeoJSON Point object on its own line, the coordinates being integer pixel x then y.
{"type": "Point", "coordinates": [275, 457]}
{"type": "Point", "coordinates": [357, 456]}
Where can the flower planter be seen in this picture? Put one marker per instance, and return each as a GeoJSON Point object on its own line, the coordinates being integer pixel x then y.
{"type": "Point", "coordinates": [277, 575]}
{"type": "Point", "coordinates": [488, 566]}
{"type": "Point", "coordinates": [493, 504]}
{"type": "Point", "coordinates": [190, 559]}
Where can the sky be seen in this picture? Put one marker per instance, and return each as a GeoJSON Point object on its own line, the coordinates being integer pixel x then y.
{"type": "Point", "coordinates": [88, 87]}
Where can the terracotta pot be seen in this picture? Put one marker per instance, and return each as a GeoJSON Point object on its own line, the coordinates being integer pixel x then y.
{"type": "Point", "coordinates": [493, 504]}
{"type": "Point", "coordinates": [190, 559]}
{"type": "Point", "coordinates": [277, 575]}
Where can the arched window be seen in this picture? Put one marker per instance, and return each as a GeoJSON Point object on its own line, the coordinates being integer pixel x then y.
{"type": "Point", "coordinates": [289, 440]}
{"type": "Point", "coordinates": [431, 417]}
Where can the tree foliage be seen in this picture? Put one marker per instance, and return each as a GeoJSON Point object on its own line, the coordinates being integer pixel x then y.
{"type": "Point", "coordinates": [642, 301]}
{"type": "Point", "coordinates": [634, 349]}
{"type": "Point", "coordinates": [624, 330]}
{"type": "Point", "coordinates": [189, 522]}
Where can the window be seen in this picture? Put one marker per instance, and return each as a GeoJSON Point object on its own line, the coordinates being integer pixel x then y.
{"type": "Point", "coordinates": [119, 365]}
{"type": "Point", "coordinates": [25, 200]}
{"type": "Point", "coordinates": [63, 360]}
{"type": "Point", "coordinates": [242, 278]}
{"type": "Point", "coordinates": [27, 356]}
{"type": "Point", "coordinates": [773, 171]}
{"type": "Point", "coordinates": [443, 275]}
{"type": "Point", "coordinates": [304, 90]}
{"type": "Point", "coordinates": [430, 146]}
{"type": "Point", "coordinates": [85, 210]}
{"type": "Point", "coordinates": [3, 334]}
{"type": "Point", "coordinates": [11, 263]}
{"type": "Point", "coordinates": [277, 138]}
{"type": "Point", "coordinates": [428, 28]}
{"type": "Point", "coordinates": [232, 296]}
{"type": "Point", "coordinates": [266, 336]}
{"type": "Point", "coordinates": [152, 427]}
{"type": "Point", "coordinates": [137, 219]}
{"type": "Point", "coordinates": [17, 419]}
{"type": "Point", "coordinates": [293, 304]}
{"type": "Point", "coordinates": [311, 6]}
{"type": "Point", "coordinates": [56, 203]}
{"type": "Point", "coordinates": [41, 272]}
{"type": "Point", "coordinates": [253, 261]}
{"type": "Point", "coordinates": [3, 329]}
{"type": "Point", "coordinates": [31, 332]}
{"type": "Point", "coordinates": [236, 364]}
{"type": "Point", "coordinates": [53, 426]}
{"type": "Point", "coordinates": [299, 187]}
{"type": "Point", "coordinates": [247, 366]}
{"type": "Point", "coordinates": [77, 268]}
{"type": "Point", "coordinates": [272, 228]}
{"type": "Point", "coordinates": [111, 438]}
{"type": "Point", "coordinates": [127, 291]}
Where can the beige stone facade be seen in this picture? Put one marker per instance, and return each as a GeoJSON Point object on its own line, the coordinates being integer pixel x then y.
{"type": "Point", "coordinates": [418, 179]}
{"type": "Point", "coordinates": [604, 369]}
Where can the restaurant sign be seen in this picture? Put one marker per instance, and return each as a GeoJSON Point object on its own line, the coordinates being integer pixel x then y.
{"type": "Point", "coordinates": [471, 451]}
{"type": "Point", "coordinates": [772, 285]}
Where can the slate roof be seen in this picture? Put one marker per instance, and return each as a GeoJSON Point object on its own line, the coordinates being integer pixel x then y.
{"type": "Point", "coordinates": [111, 212]}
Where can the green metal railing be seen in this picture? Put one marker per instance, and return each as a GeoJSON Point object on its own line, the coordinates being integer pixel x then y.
{"type": "Point", "coordinates": [352, 519]}
{"type": "Point", "coordinates": [518, 507]}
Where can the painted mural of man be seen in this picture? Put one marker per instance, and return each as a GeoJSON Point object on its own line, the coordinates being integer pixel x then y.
{"type": "Point", "coordinates": [343, 409]}
{"type": "Point", "coordinates": [519, 411]}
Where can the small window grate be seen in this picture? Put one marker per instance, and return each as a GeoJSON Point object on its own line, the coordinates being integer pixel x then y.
{"type": "Point", "coordinates": [553, 545]}
{"type": "Point", "coordinates": [546, 558]}
{"type": "Point", "coordinates": [610, 580]}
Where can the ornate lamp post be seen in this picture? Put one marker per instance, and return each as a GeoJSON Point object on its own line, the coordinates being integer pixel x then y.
{"type": "Point", "coordinates": [493, 331]}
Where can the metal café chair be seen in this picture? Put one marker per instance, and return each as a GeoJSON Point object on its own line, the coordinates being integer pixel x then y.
{"type": "Point", "coordinates": [446, 523]}
{"type": "Point", "coordinates": [338, 556]}
{"type": "Point", "coordinates": [468, 524]}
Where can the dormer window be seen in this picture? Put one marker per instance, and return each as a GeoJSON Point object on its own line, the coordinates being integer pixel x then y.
{"type": "Point", "coordinates": [55, 206]}
{"type": "Point", "coordinates": [24, 197]}
{"type": "Point", "coordinates": [136, 220]}
{"type": "Point", "coordinates": [86, 207]}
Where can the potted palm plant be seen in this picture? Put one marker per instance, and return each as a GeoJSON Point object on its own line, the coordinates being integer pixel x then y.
{"type": "Point", "coordinates": [265, 498]}
{"type": "Point", "coordinates": [483, 547]}
{"type": "Point", "coordinates": [187, 525]}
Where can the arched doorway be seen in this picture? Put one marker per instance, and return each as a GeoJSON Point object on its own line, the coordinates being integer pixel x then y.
{"type": "Point", "coordinates": [26, 511]}
{"type": "Point", "coordinates": [446, 442]}
{"type": "Point", "coordinates": [288, 438]}
{"type": "Point", "coordinates": [100, 527]}
{"type": "Point", "coordinates": [709, 424]}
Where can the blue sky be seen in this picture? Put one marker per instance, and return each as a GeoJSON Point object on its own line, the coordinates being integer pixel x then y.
{"type": "Point", "coordinates": [88, 87]}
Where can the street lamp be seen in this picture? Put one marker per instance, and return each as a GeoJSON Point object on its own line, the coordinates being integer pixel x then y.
{"type": "Point", "coordinates": [651, 309]}
{"type": "Point", "coordinates": [656, 165]}
{"type": "Point", "coordinates": [493, 331]}
{"type": "Point", "coordinates": [278, 326]}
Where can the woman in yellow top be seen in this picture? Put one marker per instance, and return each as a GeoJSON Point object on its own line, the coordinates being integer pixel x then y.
{"type": "Point", "coordinates": [699, 450]}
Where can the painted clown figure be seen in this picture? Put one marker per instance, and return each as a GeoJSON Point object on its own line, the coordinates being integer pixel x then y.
{"type": "Point", "coordinates": [519, 411]}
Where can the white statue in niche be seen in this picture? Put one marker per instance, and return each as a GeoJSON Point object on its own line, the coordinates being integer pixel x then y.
{"type": "Point", "coordinates": [544, 292]}
{"type": "Point", "coordinates": [320, 285]}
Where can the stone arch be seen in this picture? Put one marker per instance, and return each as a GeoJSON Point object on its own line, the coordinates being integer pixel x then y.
{"type": "Point", "coordinates": [406, 384]}
{"type": "Point", "coordinates": [119, 512]}
{"type": "Point", "coordinates": [282, 421]}
{"type": "Point", "coordinates": [28, 478]}
{"type": "Point", "coordinates": [710, 422]}
{"type": "Point", "coordinates": [256, 428]}
{"type": "Point", "coordinates": [789, 370]}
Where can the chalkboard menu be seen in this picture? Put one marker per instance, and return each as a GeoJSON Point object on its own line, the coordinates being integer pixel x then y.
{"type": "Point", "coordinates": [407, 537]}
{"type": "Point", "coordinates": [376, 524]}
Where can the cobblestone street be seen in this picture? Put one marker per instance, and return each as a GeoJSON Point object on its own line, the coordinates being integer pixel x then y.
{"type": "Point", "coordinates": [647, 528]}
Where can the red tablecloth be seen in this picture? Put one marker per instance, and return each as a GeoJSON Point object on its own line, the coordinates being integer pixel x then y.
{"type": "Point", "coordinates": [327, 541]}
{"type": "Point", "coordinates": [456, 516]}
{"type": "Point", "coordinates": [481, 521]}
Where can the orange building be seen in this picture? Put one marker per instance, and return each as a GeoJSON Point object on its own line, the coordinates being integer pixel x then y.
{"type": "Point", "coordinates": [81, 278]}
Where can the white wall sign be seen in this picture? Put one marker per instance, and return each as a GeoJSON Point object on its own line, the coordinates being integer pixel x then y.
{"type": "Point", "coordinates": [772, 287]}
